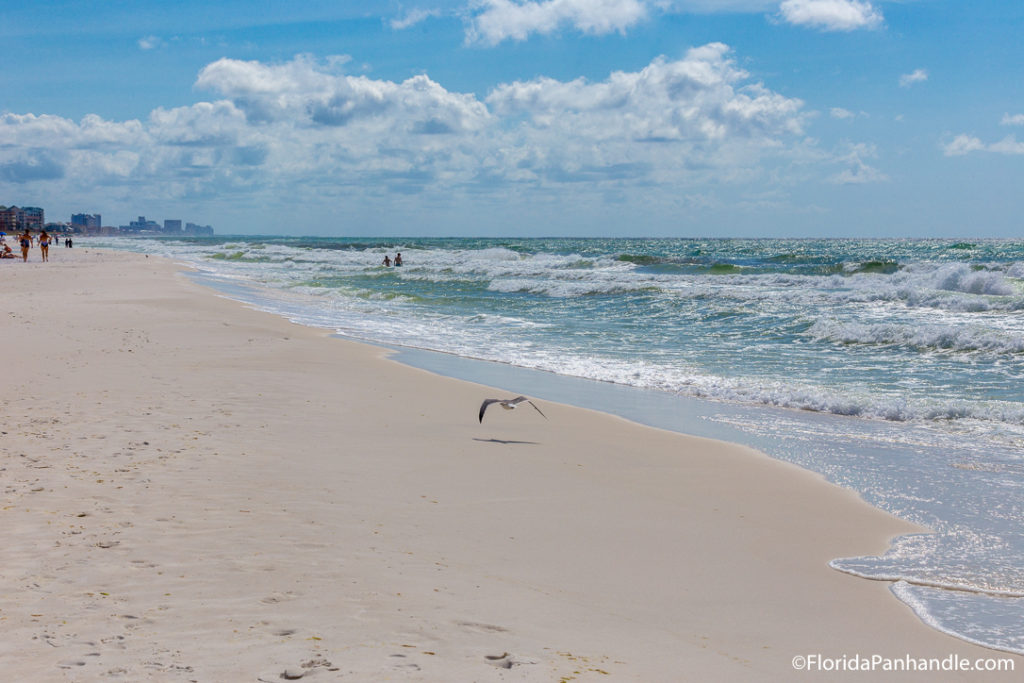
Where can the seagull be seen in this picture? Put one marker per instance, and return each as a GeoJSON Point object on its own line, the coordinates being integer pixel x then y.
{"type": "Point", "coordinates": [508, 404]}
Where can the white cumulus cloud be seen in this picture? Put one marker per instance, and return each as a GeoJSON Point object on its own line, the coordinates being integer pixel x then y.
{"type": "Point", "coordinates": [413, 17]}
{"type": "Point", "coordinates": [916, 76]}
{"type": "Point", "coordinates": [497, 20]}
{"type": "Point", "coordinates": [696, 98]}
{"type": "Point", "coordinates": [303, 91]}
{"type": "Point", "coordinates": [308, 131]}
{"type": "Point", "coordinates": [965, 144]}
{"type": "Point", "coordinates": [150, 42]}
{"type": "Point", "coordinates": [831, 15]}
{"type": "Point", "coordinates": [858, 171]}
{"type": "Point", "coordinates": [1007, 145]}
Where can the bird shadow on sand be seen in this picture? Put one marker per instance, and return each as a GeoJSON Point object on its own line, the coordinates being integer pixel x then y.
{"type": "Point", "coordinates": [507, 443]}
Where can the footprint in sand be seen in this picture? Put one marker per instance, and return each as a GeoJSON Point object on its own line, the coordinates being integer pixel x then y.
{"type": "Point", "coordinates": [401, 664]}
{"type": "Point", "coordinates": [502, 661]}
{"type": "Point", "coordinates": [116, 642]}
{"type": "Point", "coordinates": [70, 663]}
{"type": "Point", "coordinates": [293, 673]}
{"type": "Point", "coordinates": [275, 598]}
{"type": "Point", "coordinates": [478, 627]}
{"type": "Point", "coordinates": [506, 660]}
{"type": "Point", "coordinates": [284, 632]}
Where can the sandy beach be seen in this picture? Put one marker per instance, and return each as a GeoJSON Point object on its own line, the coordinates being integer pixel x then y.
{"type": "Point", "coordinates": [197, 491]}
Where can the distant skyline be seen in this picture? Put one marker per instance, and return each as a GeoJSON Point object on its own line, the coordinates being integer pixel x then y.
{"type": "Point", "coordinates": [703, 118]}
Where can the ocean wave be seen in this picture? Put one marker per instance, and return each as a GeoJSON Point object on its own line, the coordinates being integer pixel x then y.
{"type": "Point", "coordinates": [862, 404]}
{"type": "Point", "coordinates": [641, 259]}
{"type": "Point", "coordinates": [912, 558]}
{"type": "Point", "coordinates": [991, 621]}
{"type": "Point", "coordinates": [918, 337]}
{"type": "Point", "coordinates": [566, 288]}
{"type": "Point", "coordinates": [951, 287]}
{"type": "Point", "coordinates": [885, 267]}
{"type": "Point", "coordinates": [960, 277]}
{"type": "Point", "coordinates": [1016, 270]}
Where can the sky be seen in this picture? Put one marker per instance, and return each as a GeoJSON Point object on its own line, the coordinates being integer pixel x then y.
{"type": "Point", "coordinates": [659, 118]}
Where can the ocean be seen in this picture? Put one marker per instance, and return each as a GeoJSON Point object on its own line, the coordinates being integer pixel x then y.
{"type": "Point", "coordinates": [894, 367]}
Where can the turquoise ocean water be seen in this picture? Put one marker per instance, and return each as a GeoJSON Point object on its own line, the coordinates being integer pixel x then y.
{"type": "Point", "coordinates": [894, 367]}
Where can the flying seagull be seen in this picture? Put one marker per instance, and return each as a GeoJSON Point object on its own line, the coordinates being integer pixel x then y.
{"type": "Point", "coordinates": [508, 404]}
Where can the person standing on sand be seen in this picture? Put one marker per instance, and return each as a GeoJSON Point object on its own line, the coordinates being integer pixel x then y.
{"type": "Point", "coordinates": [44, 245]}
{"type": "Point", "coordinates": [26, 244]}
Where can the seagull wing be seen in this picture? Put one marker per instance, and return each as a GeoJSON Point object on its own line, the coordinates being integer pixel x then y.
{"type": "Point", "coordinates": [536, 408]}
{"type": "Point", "coordinates": [487, 402]}
{"type": "Point", "coordinates": [522, 399]}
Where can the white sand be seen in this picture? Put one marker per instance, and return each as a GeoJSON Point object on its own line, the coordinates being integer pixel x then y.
{"type": "Point", "coordinates": [197, 491]}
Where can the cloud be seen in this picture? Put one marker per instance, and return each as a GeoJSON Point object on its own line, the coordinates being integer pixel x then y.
{"type": "Point", "coordinates": [1013, 120]}
{"type": "Point", "coordinates": [840, 113]}
{"type": "Point", "coordinates": [205, 124]}
{"type": "Point", "coordinates": [1007, 145]}
{"type": "Point", "coordinates": [966, 144]}
{"type": "Point", "coordinates": [150, 42]}
{"type": "Point", "coordinates": [308, 131]}
{"type": "Point", "coordinates": [33, 166]}
{"type": "Point", "coordinates": [30, 130]}
{"type": "Point", "coordinates": [858, 171]}
{"type": "Point", "coordinates": [692, 99]}
{"type": "Point", "coordinates": [916, 76]}
{"type": "Point", "coordinates": [413, 17]}
{"type": "Point", "coordinates": [495, 21]}
{"type": "Point", "coordinates": [963, 144]}
{"type": "Point", "coordinates": [831, 15]}
{"type": "Point", "coordinates": [307, 92]}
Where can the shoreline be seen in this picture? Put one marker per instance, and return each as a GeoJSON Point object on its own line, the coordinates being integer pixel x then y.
{"type": "Point", "coordinates": [201, 491]}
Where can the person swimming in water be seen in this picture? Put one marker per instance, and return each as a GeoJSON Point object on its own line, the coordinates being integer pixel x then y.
{"type": "Point", "coordinates": [387, 260]}
{"type": "Point", "coordinates": [398, 259]}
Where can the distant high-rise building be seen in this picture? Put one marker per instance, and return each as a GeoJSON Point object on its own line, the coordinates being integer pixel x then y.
{"type": "Point", "coordinates": [32, 218]}
{"type": "Point", "coordinates": [142, 225]}
{"type": "Point", "coordinates": [9, 219]}
{"type": "Point", "coordinates": [13, 219]}
{"type": "Point", "coordinates": [193, 229]}
{"type": "Point", "coordinates": [172, 226]}
{"type": "Point", "coordinates": [86, 221]}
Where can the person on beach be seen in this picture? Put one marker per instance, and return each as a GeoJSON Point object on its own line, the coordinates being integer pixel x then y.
{"type": "Point", "coordinates": [26, 244]}
{"type": "Point", "coordinates": [398, 259]}
{"type": "Point", "coordinates": [387, 260]}
{"type": "Point", "coordinates": [44, 245]}
{"type": "Point", "coordinates": [7, 253]}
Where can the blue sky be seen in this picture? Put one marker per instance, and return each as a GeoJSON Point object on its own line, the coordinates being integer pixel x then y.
{"type": "Point", "coordinates": [857, 118]}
